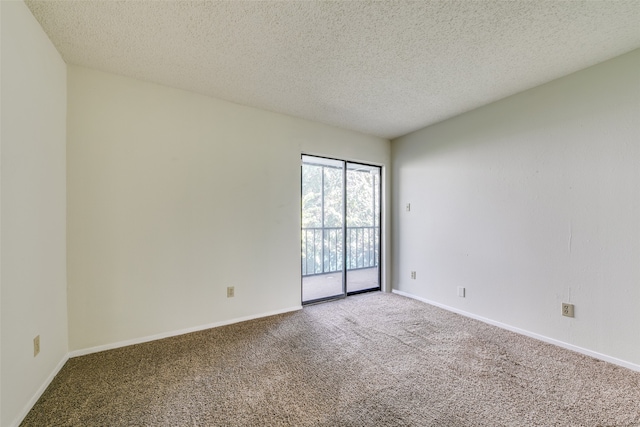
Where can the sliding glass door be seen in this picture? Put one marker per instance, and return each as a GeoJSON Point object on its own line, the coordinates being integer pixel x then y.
{"type": "Point", "coordinates": [322, 228]}
{"type": "Point", "coordinates": [340, 228]}
{"type": "Point", "coordinates": [363, 227]}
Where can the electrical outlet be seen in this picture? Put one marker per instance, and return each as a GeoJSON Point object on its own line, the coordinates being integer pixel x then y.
{"type": "Point", "coordinates": [413, 274]}
{"type": "Point", "coordinates": [36, 346]}
{"type": "Point", "coordinates": [230, 291]}
{"type": "Point", "coordinates": [461, 291]}
{"type": "Point", "coordinates": [567, 309]}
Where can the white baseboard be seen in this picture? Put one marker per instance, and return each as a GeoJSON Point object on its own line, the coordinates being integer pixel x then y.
{"type": "Point", "coordinates": [85, 351]}
{"type": "Point", "coordinates": [16, 422]}
{"type": "Point", "coordinates": [539, 337]}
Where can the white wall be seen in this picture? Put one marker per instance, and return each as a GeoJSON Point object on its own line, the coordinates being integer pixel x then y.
{"type": "Point", "coordinates": [530, 202]}
{"type": "Point", "coordinates": [172, 197]}
{"type": "Point", "coordinates": [33, 222]}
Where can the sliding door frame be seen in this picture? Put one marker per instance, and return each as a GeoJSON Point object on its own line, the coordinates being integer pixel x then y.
{"type": "Point", "coordinates": [379, 248]}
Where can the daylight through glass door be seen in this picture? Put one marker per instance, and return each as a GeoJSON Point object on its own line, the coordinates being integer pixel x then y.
{"type": "Point", "coordinates": [340, 228]}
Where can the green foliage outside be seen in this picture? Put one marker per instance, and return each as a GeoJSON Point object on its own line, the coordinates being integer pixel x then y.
{"type": "Point", "coordinates": [362, 192]}
{"type": "Point", "coordinates": [322, 249]}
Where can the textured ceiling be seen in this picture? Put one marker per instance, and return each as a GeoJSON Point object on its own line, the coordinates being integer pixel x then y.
{"type": "Point", "coordinates": [384, 68]}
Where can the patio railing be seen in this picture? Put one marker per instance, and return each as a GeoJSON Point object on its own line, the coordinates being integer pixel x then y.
{"type": "Point", "coordinates": [322, 250]}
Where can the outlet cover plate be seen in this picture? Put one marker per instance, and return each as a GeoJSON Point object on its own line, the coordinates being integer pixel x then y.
{"type": "Point", "coordinates": [567, 310]}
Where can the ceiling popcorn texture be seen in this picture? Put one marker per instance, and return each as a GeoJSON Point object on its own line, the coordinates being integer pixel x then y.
{"type": "Point", "coordinates": [384, 68]}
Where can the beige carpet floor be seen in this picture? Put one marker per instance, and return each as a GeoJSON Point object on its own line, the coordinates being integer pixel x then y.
{"type": "Point", "coordinates": [370, 360]}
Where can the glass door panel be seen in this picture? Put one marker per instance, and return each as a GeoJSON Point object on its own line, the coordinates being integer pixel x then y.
{"type": "Point", "coordinates": [363, 228]}
{"type": "Point", "coordinates": [322, 229]}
